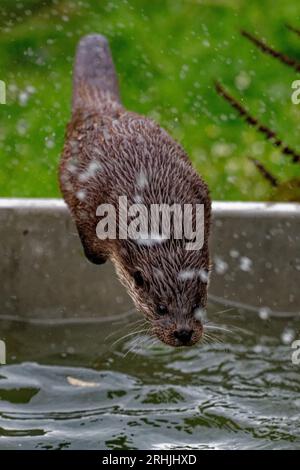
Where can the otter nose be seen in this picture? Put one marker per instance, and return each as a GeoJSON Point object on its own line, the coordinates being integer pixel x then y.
{"type": "Point", "coordinates": [184, 336]}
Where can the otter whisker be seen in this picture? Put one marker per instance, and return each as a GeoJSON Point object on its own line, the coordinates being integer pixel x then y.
{"type": "Point", "coordinates": [218, 328]}
{"type": "Point", "coordinates": [129, 312]}
{"type": "Point", "coordinates": [213, 338]}
{"type": "Point", "coordinates": [146, 338]}
{"type": "Point", "coordinates": [137, 342]}
{"type": "Point", "coordinates": [123, 326]}
{"type": "Point", "coordinates": [205, 340]}
{"type": "Point", "coordinates": [138, 323]}
{"type": "Point", "coordinates": [232, 329]}
{"type": "Point", "coordinates": [129, 350]}
{"type": "Point", "coordinates": [127, 335]}
{"type": "Point", "coordinates": [226, 310]}
{"type": "Point", "coordinates": [150, 342]}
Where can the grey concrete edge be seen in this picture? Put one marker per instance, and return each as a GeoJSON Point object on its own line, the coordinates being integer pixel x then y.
{"type": "Point", "coordinates": [234, 209]}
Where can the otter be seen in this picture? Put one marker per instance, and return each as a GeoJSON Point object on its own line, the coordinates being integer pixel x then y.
{"type": "Point", "coordinates": [110, 152]}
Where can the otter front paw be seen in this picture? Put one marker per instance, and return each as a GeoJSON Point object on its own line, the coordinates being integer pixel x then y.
{"type": "Point", "coordinates": [95, 258]}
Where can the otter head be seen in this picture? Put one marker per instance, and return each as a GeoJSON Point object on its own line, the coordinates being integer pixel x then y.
{"type": "Point", "coordinates": [169, 286]}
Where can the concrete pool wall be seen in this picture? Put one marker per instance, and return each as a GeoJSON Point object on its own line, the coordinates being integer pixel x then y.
{"type": "Point", "coordinates": [255, 251]}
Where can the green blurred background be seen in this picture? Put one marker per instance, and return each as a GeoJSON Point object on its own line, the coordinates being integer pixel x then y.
{"type": "Point", "coordinates": [167, 54]}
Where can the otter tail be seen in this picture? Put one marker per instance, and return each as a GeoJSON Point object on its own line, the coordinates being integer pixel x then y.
{"type": "Point", "coordinates": [95, 80]}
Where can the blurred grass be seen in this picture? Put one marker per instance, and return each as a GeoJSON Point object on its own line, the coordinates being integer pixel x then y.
{"type": "Point", "coordinates": [167, 53]}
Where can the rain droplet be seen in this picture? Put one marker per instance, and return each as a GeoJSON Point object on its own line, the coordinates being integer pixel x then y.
{"type": "Point", "coordinates": [220, 266]}
{"type": "Point", "coordinates": [288, 335]}
{"type": "Point", "coordinates": [245, 264]}
{"type": "Point", "coordinates": [264, 313]}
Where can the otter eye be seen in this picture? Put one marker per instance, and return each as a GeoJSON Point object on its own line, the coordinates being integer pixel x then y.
{"type": "Point", "coordinates": [161, 309]}
{"type": "Point", "coordinates": [138, 279]}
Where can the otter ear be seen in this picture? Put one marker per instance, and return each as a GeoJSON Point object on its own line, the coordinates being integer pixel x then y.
{"type": "Point", "coordinates": [95, 256]}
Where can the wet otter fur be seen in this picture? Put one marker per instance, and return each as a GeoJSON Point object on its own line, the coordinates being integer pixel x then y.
{"type": "Point", "coordinates": [111, 152]}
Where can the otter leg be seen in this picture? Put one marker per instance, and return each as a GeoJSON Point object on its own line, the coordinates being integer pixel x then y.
{"type": "Point", "coordinates": [95, 255]}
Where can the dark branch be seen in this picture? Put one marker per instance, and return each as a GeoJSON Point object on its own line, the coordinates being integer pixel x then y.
{"type": "Point", "coordinates": [272, 52]}
{"type": "Point", "coordinates": [293, 29]}
{"type": "Point", "coordinates": [252, 121]}
{"type": "Point", "coordinates": [264, 172]}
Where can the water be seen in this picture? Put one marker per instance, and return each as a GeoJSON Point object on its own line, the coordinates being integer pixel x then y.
{"type": "Point", "coordinates": [68, 387]}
